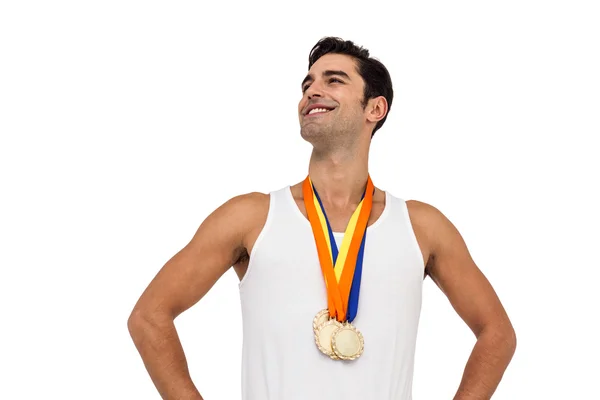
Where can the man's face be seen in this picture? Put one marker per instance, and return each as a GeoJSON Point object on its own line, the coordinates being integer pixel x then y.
{"type": "Point", "coordinates": [331, 104]}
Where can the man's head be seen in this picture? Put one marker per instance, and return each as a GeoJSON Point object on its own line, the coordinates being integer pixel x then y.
{"type": "Point", "coordinates": [355, 89]}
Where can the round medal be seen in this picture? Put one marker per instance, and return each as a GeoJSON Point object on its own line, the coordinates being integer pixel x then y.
{"type": "Point", "coordinates": [347, 342]}
{"type": "Point", "coordinates": [323, 336]}
{"type": "Point", "coordinates": [320, 318]}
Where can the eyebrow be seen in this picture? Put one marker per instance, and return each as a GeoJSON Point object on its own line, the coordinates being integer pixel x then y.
{"type": "Point", "coordinates": [326, 73]}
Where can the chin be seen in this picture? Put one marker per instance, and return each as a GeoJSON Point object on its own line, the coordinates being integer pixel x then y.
{"type": "Point", "coordinates": [310, 133]}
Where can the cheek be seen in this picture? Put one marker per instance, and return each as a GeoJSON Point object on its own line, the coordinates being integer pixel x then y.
{"type": "Point", "coordinates": [301, 104]}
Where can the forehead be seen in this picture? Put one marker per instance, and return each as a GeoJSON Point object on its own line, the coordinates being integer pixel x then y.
{"type": "Point", "coordinates": [335, 62]}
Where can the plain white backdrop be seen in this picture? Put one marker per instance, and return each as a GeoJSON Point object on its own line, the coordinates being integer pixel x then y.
{"type": "Point", "coordinates": [125, 123]}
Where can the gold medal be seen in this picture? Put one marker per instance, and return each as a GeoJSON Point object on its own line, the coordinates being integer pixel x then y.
{"type": "Point", "coordinates": [323, 336]}
{"type": "Point", "coordinates": [347, 342]}
{"type": "Point", "coordinates": [321, 317]}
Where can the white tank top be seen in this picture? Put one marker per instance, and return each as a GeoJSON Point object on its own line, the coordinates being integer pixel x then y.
{"type": "Point", "coordinates": [283, 289]}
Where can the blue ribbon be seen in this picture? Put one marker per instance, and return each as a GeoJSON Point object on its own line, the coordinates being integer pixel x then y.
{"type": "Point", "coordinates": [355, 289]}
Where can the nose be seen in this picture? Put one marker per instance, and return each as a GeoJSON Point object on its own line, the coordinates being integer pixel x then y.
{"type": "Point", "coordinates": [315, 90]}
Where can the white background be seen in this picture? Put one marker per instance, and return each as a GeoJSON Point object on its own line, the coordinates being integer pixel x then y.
{"type": "Point", "coordinates": [124, 124]}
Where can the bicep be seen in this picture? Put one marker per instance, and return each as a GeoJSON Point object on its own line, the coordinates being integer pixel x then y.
{"type": "Point", "coordinates": [454, 271]}
{"type": "Point", "coordinates": [214, 248]}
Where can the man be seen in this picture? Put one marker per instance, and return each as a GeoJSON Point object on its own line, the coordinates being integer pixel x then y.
{"type": "Point", "coordinates": [315, 327]}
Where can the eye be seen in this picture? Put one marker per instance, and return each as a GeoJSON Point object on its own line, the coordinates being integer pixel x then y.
{"type": "Point", "coordinates": [331, 80]}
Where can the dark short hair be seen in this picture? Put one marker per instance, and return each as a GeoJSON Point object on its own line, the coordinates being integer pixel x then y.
{"type": "Point", "coordinates": [376, 76]}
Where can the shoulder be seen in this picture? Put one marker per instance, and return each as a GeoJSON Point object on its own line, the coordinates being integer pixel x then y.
{"type": "Point", "coordinates": [249, 212]}
{"type": "Point", "coordinates": [433, 228]}
{"type": "Point", "coordinates": [234, 221]}
{"type": "Point", "coordinates": [426, 215]}
{"type": "Point", "coordinates": [239, 214]}
{"type": "Point", "coordinates": [249, 200]}
{"type": "Point", "coordinates": [247, 208]}
{"type": "Point", "coordinates": [430, 219]}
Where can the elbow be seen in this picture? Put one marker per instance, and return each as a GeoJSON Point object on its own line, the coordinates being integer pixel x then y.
{"type": "Point", "coordinates": [506, 338]}
{"type": "Point", "coordinates": [501, 335]}
{"type": "Point", "coordinates": [509, 336]}
{"type": "Point", "coordinates": [134, 321]}
{"type": "Point", "coordinates": [142, 322]}
{"type": "Point", "coordinates": [512, 340]}
{"type": "Point", "coordinates": [137, 322]}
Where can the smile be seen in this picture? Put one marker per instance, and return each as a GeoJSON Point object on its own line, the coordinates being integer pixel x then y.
{"type": "Point", "coordinates": [317, 111]}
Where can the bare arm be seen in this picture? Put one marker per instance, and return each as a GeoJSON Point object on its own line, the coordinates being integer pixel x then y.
{"type": "Point", "coordinates": [453, 270]}
{"type": "Point", "coordinates": [217, 245]}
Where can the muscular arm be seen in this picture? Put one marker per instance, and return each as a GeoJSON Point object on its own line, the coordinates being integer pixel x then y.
{"type": "Point", "coordinates": [453, 270]}
{"type": "Point", "coordinates": [182, 282]}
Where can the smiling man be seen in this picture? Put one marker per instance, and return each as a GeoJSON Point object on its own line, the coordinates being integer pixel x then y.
{"type": "Point", "coordinates": [331, 268]}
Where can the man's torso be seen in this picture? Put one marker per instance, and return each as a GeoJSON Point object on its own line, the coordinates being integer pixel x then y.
{"type": "Point", "coordinates": [337, 221]}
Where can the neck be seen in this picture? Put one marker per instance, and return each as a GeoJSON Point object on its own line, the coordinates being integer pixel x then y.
{"type": "Point", "coordinates": [340, 177]}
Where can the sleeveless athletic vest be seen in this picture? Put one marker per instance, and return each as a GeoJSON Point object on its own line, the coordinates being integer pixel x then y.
{"type": "Point", "coordinates": [283, 289]}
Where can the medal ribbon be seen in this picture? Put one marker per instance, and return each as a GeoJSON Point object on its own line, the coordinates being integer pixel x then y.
{"type": "Point", "coordinates": [339, 263]}
{"type": "Point", "coordinates": [342, 271]}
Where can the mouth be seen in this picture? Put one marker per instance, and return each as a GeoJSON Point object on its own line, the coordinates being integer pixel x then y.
{"type": "Point", "coordinates": [317, 111]}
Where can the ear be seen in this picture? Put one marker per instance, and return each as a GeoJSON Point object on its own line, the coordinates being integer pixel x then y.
{"type": "Point", "coordinates": [377, 109]}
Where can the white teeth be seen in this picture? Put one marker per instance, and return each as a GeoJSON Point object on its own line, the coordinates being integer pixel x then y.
{"type": "Point", "coordinates": [316, 110]}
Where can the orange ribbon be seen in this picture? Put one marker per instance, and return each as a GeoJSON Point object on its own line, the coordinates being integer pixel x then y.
{"type": "Point", "coordinates": [338, 294]}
